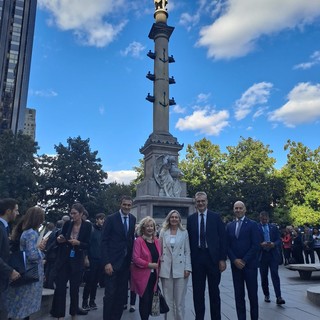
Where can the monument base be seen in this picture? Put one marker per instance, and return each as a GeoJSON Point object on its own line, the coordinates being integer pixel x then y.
{"type": "Point", "coordinates": [158, 207]}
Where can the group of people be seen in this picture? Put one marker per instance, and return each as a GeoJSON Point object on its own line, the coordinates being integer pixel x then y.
{"type": "Point", "coordinates": [124, 251]}
{"type": "Point", "coordinates": [300, 246]}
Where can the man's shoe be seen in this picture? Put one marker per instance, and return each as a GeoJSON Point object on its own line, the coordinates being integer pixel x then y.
{"type": "Point", "coordinates": [125, 307]}
{"type": "Point", "coordinates": [85, 306]}
{"type": "Point", "coordinates": [93, 306]}
{"type": "Point", "coordinates": [82, 312]}
{"type": "Point", "coordinates": [132, 309]}
{"type": "Point", "coordinates": [267, 299]}
{"type": "Point", "coordinates": [280, 301]}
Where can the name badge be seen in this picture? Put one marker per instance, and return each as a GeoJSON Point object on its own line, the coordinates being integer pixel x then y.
{"type": "Point", "coordinates": [72, 253]}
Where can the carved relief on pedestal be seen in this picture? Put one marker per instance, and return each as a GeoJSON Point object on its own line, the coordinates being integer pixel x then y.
{"type": "Point", "coordinates": [167, 174]}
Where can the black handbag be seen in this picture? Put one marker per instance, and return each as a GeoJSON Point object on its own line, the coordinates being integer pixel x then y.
{"type": "Point", "coordinates": [164, 308]}
{"type": "Point", "coordinates": [159, 304]}
{"type": "Point", "coordinates": [28, 274]}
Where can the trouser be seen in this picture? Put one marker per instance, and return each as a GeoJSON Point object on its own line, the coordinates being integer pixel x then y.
{"type": "Point", "coordinates": [115, 291]}
{"type": "Point", "coordinates": [3, 310]}
{"type": "Point", "coordinates": [145, 302]}
{"type": "Point", "coordinates": [308, 253]}
{"type": "Point", "coordinates": [269, 262]}
{"type": "Point", "coordinates": [94, 274]}
{"type": "Point", "coordinates": [204, 268]}
{"type": "Point", "coordinates": [241, 278]}
{"type": "Point", "coordinates": [72, 272]}
{"type": "Point", "coordinates": [174, 290]}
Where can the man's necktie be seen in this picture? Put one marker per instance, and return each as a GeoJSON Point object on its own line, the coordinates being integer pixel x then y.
{"type": "Point", "coordinates": [238, 227]}
{"type": "Point", "coordinates": [266, 233]}
{"type": "Point", "coordinates": [202, 233]}
{"type": "Point", "coordinates": [8, 230]}
{"type": "Point", "coordinates": [125, 225]}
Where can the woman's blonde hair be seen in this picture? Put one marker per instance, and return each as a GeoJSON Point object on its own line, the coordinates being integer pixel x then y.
{"type": "Point", "coordinates": [142, 226]}
{"type": "Point", "coordinates": [166, 222]}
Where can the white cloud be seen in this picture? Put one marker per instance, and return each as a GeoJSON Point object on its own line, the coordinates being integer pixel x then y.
{"type": "Point", "coordinates": [203, 97]}
{"type": "Point", "coordinates": [87, 19]}
{"type": "Point", "coordinates": [256, 95]}
{"type": "Point", "coordinates": [43, 93]}
{"type": "Point", "coordinates": [122, 176]}
{"type": "Point", "coordinates": [101, 110]}
{"type": "Point", "coordinates": [242, 23]}
{"type": "Point", "coordinates": [314, 60]}
{"type": "Point", "coordinates": [206, 121]}
{"type": "Point", "coordinates": [259, 112]}
{"type": "Point", "coordinates": [303, 106]}
{"type": "Point", "coordinates": [178, 109]}
{"type": "Point", "coordinates": [134, 49]}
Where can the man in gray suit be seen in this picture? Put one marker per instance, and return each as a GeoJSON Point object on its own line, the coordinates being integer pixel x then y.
{"type": "Point", "coordinates": [8, 212]}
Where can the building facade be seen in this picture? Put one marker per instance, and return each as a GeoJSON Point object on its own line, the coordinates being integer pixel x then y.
{"type": "Point", "coordinates": [30, 123]}
{"type": "Point", "coordinates": [17, 21]}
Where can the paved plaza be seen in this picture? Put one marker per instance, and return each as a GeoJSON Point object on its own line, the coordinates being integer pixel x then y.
{"type": "Point", "coordinates": [294, 291]}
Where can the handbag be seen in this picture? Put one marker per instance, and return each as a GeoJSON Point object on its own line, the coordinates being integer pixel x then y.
{"type": "Point", "coordinates": [164, 308]}
{"type": "Point", "coordinates": [155, 308]}
{"type": "Point", "coordinates": [28, 274]}
{"type": "Point", "coordinates": [159, 304]}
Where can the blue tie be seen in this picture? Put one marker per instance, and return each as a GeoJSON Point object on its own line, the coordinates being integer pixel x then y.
{"type": "Point", "coordinates": [266, 233]}
{"type": "Point", "coordinates": [125, 225]}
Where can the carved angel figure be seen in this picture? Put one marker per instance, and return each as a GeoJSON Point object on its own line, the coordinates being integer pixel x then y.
{"type": "Point", "coordinates": [167, 175]}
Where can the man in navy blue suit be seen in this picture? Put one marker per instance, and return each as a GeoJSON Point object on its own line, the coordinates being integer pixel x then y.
{"type": "Point", "coordinates": [116, 253]}
{"type": "Point", "coordinates": [243, 247]}
{"type": "Point", "coordinates": [269, 257]}
{"type": "Point", "coordinates": [207, 237]}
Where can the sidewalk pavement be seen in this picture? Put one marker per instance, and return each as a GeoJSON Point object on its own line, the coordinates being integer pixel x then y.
{"type": "Point", "coordinates": [294, 291]}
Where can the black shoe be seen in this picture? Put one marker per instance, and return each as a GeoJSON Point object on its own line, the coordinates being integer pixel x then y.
{"type": "Point", "coordinates": [132, 309]}
{"type": "Point", "coordinates": [280, 301]}
{"type": "Point", "coordinates": [85, 306]}
{"type": "Point", "coordinates": [93, 306]}
{"type": "Point", "coordinates": [82, 312]}
{"type": "Point", "coordinates": [267, 299]}
{"type": "Point", "coordinates": [125, 307]}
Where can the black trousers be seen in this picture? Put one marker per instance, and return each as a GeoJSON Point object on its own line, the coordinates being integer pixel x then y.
{"type": "Point", "coordinates": [203, 268]}
{"type": "Point", "coordinates": [145, 302]}
{"type": "Point", "coordinates": [94, 275]}
{"type": "Point", "coordinates": [71, 271]}
{"type": "Point", "coordinates": [115, 293]}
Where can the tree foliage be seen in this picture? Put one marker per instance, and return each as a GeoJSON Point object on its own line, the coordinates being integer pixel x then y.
{"type": "Point", "coordinates": [18, 169]}
{"type": "Point", "coordinates": [74, 174]}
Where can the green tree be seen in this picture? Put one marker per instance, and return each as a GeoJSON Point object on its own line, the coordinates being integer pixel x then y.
{"type": "Point", "coordinates": [302, 180]}
{"type": "Point", "coordinates": [251, 173]}
{"type": "Point", "coordinates": [204, 170]}
{"type": "Point", "coordinates": [73, 174]}
{"type": "Point", "coordinates": [18, 169]}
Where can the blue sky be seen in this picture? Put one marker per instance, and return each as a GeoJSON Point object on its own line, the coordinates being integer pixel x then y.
{"type": "Point", "coordinates": [245, 68]}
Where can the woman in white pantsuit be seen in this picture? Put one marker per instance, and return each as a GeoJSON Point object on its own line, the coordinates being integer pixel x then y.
{"type": "Point", "coordinates": [175, 264]}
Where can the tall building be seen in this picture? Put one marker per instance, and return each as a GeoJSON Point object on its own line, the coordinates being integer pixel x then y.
{"type": "Point", "coordinates": [30, 123]}
{"type": "Point", "coordinates": [17, 21]}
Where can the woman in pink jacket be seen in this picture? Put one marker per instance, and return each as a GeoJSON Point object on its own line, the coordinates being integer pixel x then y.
{"type": "Point", "coordinates": [144, 271]}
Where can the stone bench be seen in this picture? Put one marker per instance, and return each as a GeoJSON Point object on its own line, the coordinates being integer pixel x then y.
{"type": "Point", "coordinates": [305, 270]}
{"type": "Point", "coordinates": [313, 295]}
{"type": "Point", "coordinates": [46, 302]}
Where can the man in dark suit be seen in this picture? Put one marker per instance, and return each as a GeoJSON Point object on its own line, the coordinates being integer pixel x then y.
{"type": "Point", "coordinates": [207, 238]}
{"type": "Point", "coordinates": [116, 253]}
{"type": "Point", "coordinates": [243, 248]}
{"type": "Point", "coordinates": [270, 258]}
{"type": "Point", "coordinates": [8, 213]}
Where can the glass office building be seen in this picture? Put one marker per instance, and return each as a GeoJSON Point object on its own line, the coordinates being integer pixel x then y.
{"type": "Point", "coordinates": [17, 20]}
